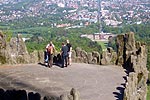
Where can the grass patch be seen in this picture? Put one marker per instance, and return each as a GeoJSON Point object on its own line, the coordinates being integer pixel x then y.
{"type": "Point", "coordinates": [103, 44]}
{"type": "Point", "coordinates": [148, 92]}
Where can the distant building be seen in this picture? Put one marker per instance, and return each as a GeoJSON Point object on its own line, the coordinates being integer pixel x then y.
{"type": "Point", "coordinates": [99, 37]}
{"type": "Point", "coordinates": [63, 25]}
{"type": "Point", "coordinates": [102, 36]}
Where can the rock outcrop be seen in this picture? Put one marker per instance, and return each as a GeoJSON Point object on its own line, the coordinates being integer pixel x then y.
{"type": "Point", "coordinates": [138, 76]}
{"type": "Point", "coordinates": [15, 52]}
{"type": "Point", "coordinates": [133, 57]}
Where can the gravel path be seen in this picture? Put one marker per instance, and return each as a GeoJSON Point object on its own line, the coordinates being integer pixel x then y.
{"type": "Point", "coordinates": [94, 82]}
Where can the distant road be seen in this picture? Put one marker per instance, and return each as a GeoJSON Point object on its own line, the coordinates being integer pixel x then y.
{"type": "Point", "coordinates": [94, 82]}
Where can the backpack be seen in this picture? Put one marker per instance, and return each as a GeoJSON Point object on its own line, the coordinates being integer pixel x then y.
{"type": "Point", "coordinates": [50, 49]}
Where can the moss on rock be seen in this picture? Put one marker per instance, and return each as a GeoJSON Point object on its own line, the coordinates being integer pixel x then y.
{"type": "Point", "coordinates": [2, 59]}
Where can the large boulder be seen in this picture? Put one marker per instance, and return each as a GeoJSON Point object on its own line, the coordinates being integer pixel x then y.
{"type": "Point", "coordinates": [15, 52]}
{"type": "Point", "coordinates": [74, 95]}
{"type": "Point", "coordinates": [135, 87]}
{"type": "Point", "coordinates": [96, 57]}
{"type": "Point", "coordinates": [81, 56]}
{"type": "Point", "coordinates": [73, 56]}
{"type": "Point", "coordinates": [90, 58]}
{"type": "Point", "coordinates": [109, 57]}
{"type": "Point", "coordinates": [120, 49]}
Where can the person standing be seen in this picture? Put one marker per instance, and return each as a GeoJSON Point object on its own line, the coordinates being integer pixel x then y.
{"type": "Point", "coordinates": [50, 51]}
{"type": "Point", "coordinates": [64, 54]}
{"type": "Point", "coordinates": [69, 51]}
{"type": "Point", "coordinates": [49, 44]}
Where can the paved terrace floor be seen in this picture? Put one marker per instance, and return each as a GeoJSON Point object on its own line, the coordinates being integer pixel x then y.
{"type": "Point", "coordinates": [94, 82]}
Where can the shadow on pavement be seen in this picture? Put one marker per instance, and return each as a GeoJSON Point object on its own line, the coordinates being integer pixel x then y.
{"type": "Point", "coordinates": [119, 95]}
{"type": "Point", "coordinates": [56, 64]}
{"type": "Point", "coordinates": [56, 61]}
{"type": "Point", "coordinates": [9, 92]}
{"type": "Point", "coordinates": [42, 64]}
{"type": "Point", "coordinates": [22, 95]}
{"type": "Point", "coordinates": [18, 95]}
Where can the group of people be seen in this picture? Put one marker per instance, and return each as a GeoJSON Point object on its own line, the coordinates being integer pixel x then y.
{"type": "Point", "coordinates": [65, 53]}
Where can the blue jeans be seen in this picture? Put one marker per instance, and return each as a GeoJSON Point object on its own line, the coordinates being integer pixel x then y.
{"type": "Point", "coordinates": [64, 60]}
{"type": "Point", "coordinates": [45, 56]}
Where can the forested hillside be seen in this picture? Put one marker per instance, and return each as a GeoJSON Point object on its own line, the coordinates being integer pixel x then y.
{"type": "Point", "coordinates": [58, 35]}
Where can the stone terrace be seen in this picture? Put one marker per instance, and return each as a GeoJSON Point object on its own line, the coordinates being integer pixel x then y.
{"type": "Point", "coordinates": [94, 82]}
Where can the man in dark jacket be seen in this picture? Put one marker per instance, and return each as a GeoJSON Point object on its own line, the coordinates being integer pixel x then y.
{"type": "Point", "coordinates": [64, 54]}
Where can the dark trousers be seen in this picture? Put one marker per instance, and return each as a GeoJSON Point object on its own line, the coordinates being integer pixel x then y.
{"type": "Point", "coordinates": [50, 59]}
{"type": "Point", "coordinates": [64, 60]}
